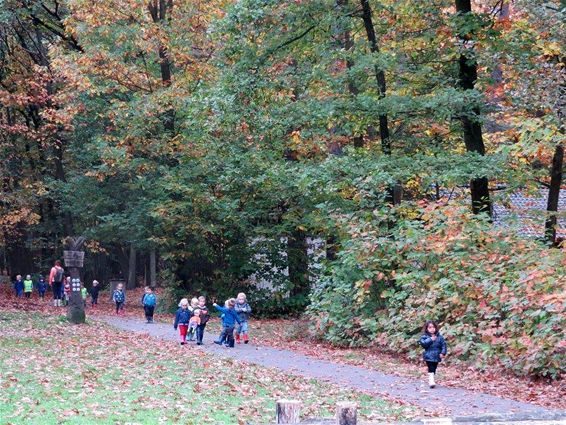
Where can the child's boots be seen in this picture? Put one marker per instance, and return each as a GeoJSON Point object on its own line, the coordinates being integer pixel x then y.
{"type": "Point", "coordinates": [238, 338]}
{"type": "Point", "coordinates": [431, 382]}
{"type": "Point", "coordinates": [246, 338]}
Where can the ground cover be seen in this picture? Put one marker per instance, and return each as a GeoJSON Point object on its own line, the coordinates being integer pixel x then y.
{"type": "Point", "coordinates": [93, 374]}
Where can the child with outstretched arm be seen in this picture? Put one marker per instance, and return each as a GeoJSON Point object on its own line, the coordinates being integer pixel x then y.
{"type": "Point", "coordinates": [228, 321]}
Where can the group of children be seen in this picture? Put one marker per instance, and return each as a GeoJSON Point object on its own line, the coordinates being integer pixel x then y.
{"type": "Point", "coordinates": [191, 319]}
{"type": "Point", "coordinates": [24, 288]}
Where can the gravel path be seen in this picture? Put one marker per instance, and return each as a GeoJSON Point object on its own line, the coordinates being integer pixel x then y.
{"type": "Point", "coordinates": [457, 401]}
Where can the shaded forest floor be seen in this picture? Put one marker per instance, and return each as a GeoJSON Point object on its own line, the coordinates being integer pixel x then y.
{"type": "Point", "coordinates": [57, 373]}
{"type": "Point", "coordinates": [293, 335]}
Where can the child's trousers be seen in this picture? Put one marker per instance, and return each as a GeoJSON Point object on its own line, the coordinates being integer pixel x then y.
{"type": "Point", "coordinates": [183, 332]}
{"type": "Point", "coordinates": [432, 366]}
{"type": "Point", "coordinates": [149, 309]}
{"type": "Point", "coordinates": [228, 332]}
{"type": "Point", "coordinates": [200, 332]}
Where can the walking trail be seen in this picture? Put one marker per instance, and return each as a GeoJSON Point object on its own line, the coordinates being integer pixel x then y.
{"type": "Point", "coordinates": [458, 402]}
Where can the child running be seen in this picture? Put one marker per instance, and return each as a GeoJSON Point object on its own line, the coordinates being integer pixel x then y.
{"type": "Point", "coordinates": [244, 310]}
{"type": "Point", "coordinates": [19, 286]}
{"type": "Point", "coordinates": [41, 287]}
{"type": "Point", "coordinates": [119, 298]}
{"type": "Point", "coordinates": [204, 316]}
{"type": "Point", "coordinates": [149, 300]}
{"type": "Point", "coordinates": [28, 286]}
{"type": "Point", "coordinates": [182, 318]}
{"type": "Point", "coordinates": [229, 319]}
{"type": "Point", "coordinates": [435, 349]}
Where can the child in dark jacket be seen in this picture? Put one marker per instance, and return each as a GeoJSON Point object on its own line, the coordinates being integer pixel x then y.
{"type": "Point", "coordinates": [435, 349]}
{"type": "Point", "coordinates": [19, 286]}
{"type": "Point", "coordinates": [182, 318]}
{"type": "Point", "coordinates": [204, 317]}
{"type": "Point", "coordinates": [41, 287]}
{"type": "Point", "coordinates": [244, 311]}
{"type": "Point", "coordinates": [229, 320]}
{"type": "Point", "coordinates": [94, 291]}
{"type": "Point", "coordinates": [119, 298]}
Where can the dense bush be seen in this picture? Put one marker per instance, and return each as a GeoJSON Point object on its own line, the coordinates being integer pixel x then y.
{"type": "Point", "coordinates": [501, 299]}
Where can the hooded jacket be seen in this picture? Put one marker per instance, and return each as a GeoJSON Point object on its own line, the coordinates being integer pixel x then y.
{"type": "Point", "coordinates": [433, 349]}
{"type": "Point", "coordinates": [243, 310]}
{"type": "Point", "coordinates": [182, 317]}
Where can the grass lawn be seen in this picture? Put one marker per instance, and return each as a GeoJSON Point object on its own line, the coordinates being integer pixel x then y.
{"type": "Point", "coordinates": [56, 373]}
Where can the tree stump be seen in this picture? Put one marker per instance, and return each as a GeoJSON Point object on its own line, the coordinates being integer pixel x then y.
{"type": "Point", "coordinates": [288, 411]}
{"type": "Point", "coordinates": [346, 413]}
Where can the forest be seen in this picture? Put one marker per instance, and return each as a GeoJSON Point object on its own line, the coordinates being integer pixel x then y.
{"type": "Point", "coordinates": [372, 163]}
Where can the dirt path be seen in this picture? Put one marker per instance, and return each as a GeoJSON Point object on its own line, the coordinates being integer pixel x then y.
{"type": "Point", "coordinates": [457, 402]}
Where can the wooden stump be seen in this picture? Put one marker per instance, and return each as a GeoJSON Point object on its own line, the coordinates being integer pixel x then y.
{"type": "Point", "coordinates": [346, 413]}
{"type": "Point", "coordinates": [288, 411]}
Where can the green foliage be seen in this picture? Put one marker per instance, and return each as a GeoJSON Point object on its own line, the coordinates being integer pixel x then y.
{"type": "Point", "coordinates": [499, 298]}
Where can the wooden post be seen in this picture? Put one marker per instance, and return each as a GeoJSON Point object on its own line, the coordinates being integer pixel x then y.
{"type": "Point", "coordinates": [74, 259]}
{"type": "Point", "coordinates": [288, 411]}
{"type": "Point", "coordinates": [346, 413]}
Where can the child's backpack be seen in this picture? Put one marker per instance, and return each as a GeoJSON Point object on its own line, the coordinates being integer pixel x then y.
{"type": "Point", "coordinates": [150, 300]}
{"type": "Point", "coordinates": [59, 272]}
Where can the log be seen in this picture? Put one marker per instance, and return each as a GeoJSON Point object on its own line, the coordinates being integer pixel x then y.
{"type": "Point", "coordinates": [288, 411]}
{"type": "Point", "coordinates": [346, 413]}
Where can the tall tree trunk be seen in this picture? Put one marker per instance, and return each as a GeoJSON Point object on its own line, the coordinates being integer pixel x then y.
{"type": "Point", "coordinates": [379, 75]}
{"type": "Point", "coordinates": [298, 261]}
{"type": "Point", "coordinates": [554, 193]}
{"type": "Point", "coordinates": [160, 11]}
{"type": "Point", "coordinates": [470, 122]}
{"type": "Point", "coordinates": [131, 284]}
{"type": "Point", "coordinates": [152, 268]}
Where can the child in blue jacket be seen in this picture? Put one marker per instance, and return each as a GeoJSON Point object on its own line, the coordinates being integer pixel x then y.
{"type": "Point", "coordinates": [182, 318]}
{"type": "Point", "coordinates": [148, 301]}
{"type": "Point", "coordinates": [435, 349]}
{"type": "Point", "coordinates": [41, 287]}
{"type": "Point", "coordinates": [19, 286]}
{"type": "Point", "coordinates": [229, 320]}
